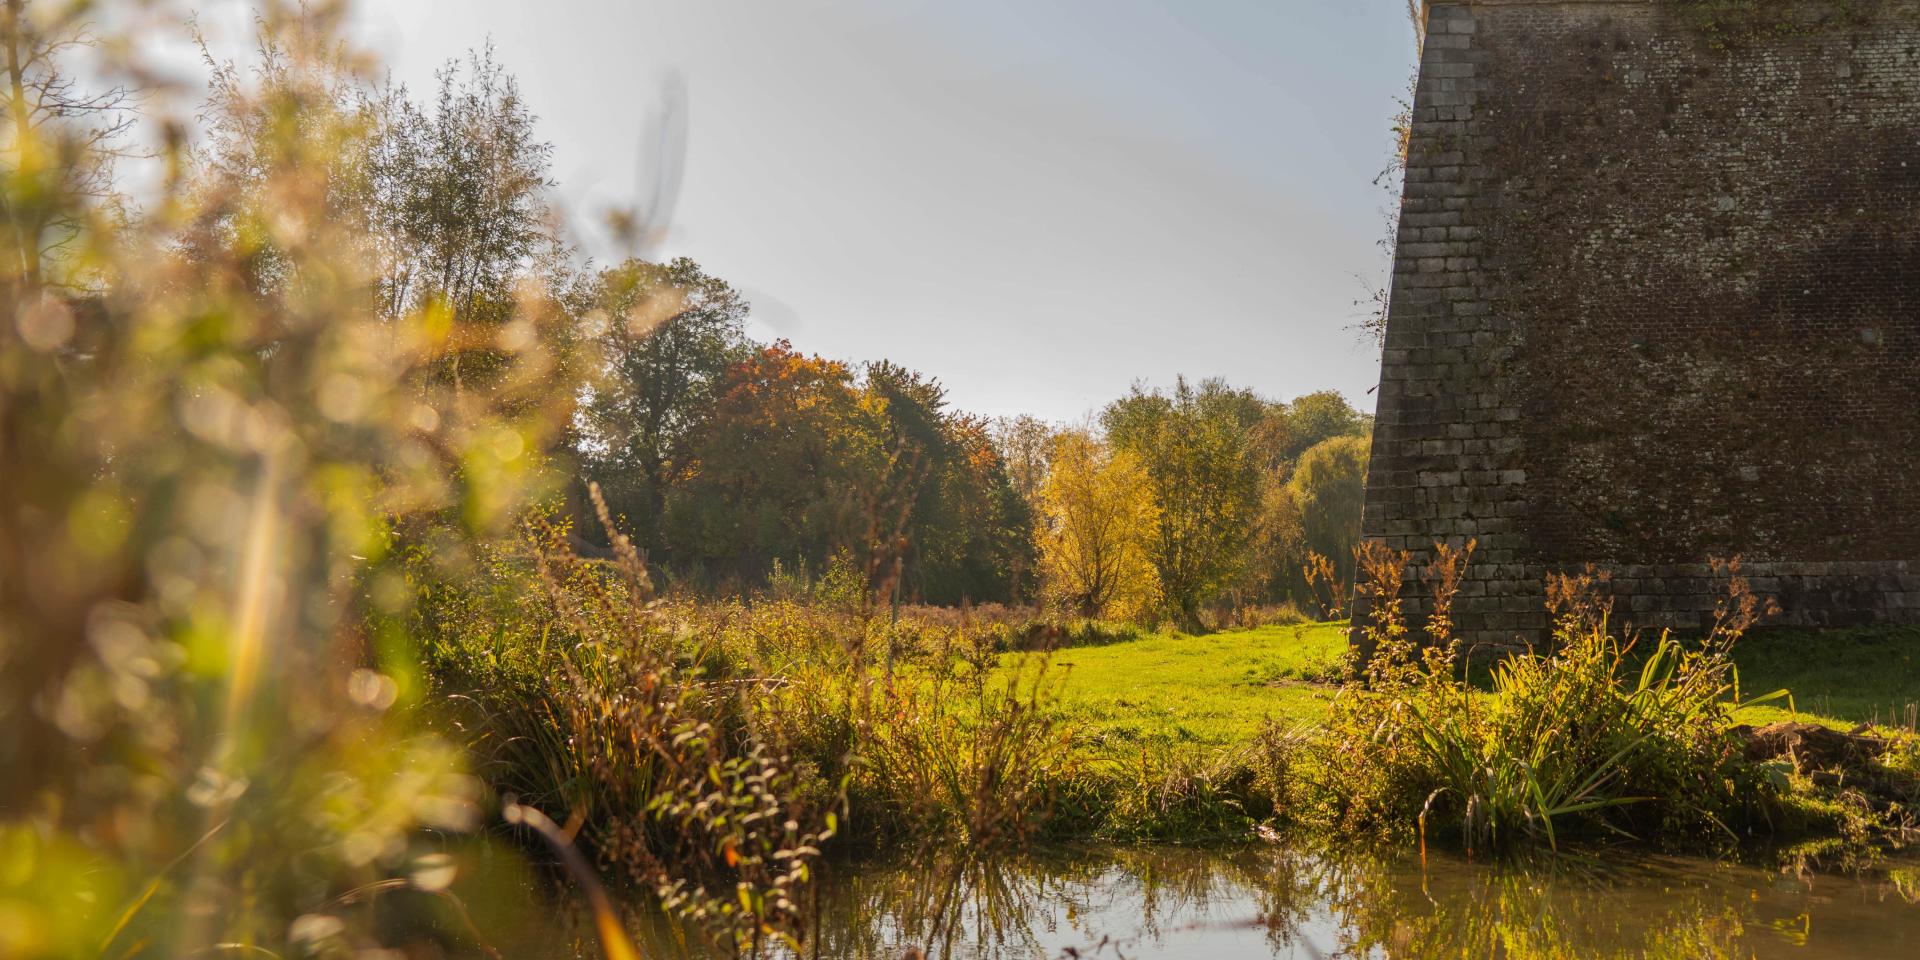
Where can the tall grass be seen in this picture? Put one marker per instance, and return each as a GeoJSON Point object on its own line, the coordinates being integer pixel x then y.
{"type": "Point", "coordinates": [605, 713]}
{"type": "Point", "coordinates": [714, 750]}
{"type": "Point", "coordinates": [1599, 734]}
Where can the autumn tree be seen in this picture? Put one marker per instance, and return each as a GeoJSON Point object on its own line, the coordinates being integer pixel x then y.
{"type": "Point", "coordinates": [934, 512]}
{"type": "Point", "coordinates": [796, 459]}
{"type": "Point", "coordinates": [769, 470]}
{"type": "Point", "coordinates": [667, 334]}
{"type": "Point", "coordinates": [1195, 446]}
{"type": "Point", "coordinates": [1095, 528]}
{"type": "Point", "coordinates": [901, 443]}
{"type": "Point", "coordinates": [1024, 444]}
{"type": "Point", "coordinates": [971, 535]}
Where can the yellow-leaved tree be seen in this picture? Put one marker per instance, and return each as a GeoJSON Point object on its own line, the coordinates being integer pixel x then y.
{"type": "Point", "coordinates": [1095, 518]}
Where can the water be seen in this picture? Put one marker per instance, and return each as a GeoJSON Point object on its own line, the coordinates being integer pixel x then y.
{"type": "Point", "coordinates": [1260, 902]}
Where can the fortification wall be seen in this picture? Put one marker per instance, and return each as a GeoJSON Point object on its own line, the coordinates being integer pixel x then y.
{"type": "Point", "coordinates": [1656, 299]}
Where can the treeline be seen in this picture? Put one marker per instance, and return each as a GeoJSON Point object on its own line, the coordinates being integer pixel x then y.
{"type": "Point", "coordinates": [1206, 496]}
{"type": "Point", "coordinates": [730, 461]}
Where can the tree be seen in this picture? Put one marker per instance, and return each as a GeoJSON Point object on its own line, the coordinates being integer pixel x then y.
{"type": "Point", "coordinates": [458, 193]}
{"type": "Point", "coordinates": [935, 513]}
{"type": "Point", "coordinates": [972, 532]}
{"type": "Point", "coordinates": [1320, 416]}
{"type": "Point", "coordinates": [447, 204]}
{"type": "Point", "coordinates": [1329, 488]}
{"type": "Point", "coordinates": [667, 334]}
{"type": "Point", "coordinates": [795, 459]}
{"type": "Point", "coordinates": [58, 143]}
{"type": "Point", "coordinates": [1277, 549]}
{"type": "Point", "coordinates": [1196, 447]}
{"type": "Point", "coordinates": [460, 208]}
{"type": "Point", "coordinates": [770, 471]}
{"type": "Point", "coordinates": [1024, 444]}
{"type": "Point", "coordinates": [1095, 528]}
{"type": "Point", "coordinates": [904, 445]}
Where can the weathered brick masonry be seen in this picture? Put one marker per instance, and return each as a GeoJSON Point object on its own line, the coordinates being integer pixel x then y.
{"type": "Point", "coordinates": [1656, 299]}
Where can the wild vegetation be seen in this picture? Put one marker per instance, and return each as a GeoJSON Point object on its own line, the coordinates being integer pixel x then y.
{"type": "Point", "coordinates": [354, 529]}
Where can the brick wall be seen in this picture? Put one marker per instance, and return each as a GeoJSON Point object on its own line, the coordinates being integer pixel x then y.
{"type": "Point", "coordinates": [1656, 299]}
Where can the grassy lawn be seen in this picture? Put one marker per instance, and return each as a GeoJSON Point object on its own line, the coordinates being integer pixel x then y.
{"type": "Point", "coordinates": [1204, 690]}
{"type": "Point", "coordinates": [1214, 690]}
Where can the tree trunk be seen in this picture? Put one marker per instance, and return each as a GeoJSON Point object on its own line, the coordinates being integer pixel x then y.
{"type": "Point", "coordinates": [26, 228]}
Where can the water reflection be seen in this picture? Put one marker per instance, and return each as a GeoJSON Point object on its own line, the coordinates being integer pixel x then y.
{"type": "Point", "coordinates": [1272, 902]}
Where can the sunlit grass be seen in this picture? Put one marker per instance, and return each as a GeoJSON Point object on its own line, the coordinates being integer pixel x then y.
{"type": "Point", "coordinates": [1206, 690]}
{"type": "Point", "coordinates": [1215, 689]}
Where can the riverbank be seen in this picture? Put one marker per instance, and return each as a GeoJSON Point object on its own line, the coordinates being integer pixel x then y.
{"type": "Point", "coordinates": [1216, 690]}
{"type": "Point", "coordinates": [1239, 726]}
{"type": "Point", "coordinates": [688, 742]}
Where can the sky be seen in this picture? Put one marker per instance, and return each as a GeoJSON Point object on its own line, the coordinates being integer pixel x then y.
{"type": "Point", "coordinates": [1038, 203]}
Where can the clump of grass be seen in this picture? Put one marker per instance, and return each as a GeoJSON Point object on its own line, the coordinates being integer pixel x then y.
{"type": "Point", "coordinates": [1158, 791]}
{"type": "Point", "coordinates": [1601, 734]}
{"type": "Point", "coordinates": [959, 755]}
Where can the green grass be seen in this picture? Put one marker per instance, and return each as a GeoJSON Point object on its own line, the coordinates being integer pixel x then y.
{"type": "Point", "coordinates": [1215, 689]}
{"type": "Point", "coordinates": [1207, 690]}
{"type": "Point", "coordinates": [1837, 677]}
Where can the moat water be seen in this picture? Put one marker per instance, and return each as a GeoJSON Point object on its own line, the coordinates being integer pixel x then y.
{"type": "Point", "coordinates": [1266, 901]}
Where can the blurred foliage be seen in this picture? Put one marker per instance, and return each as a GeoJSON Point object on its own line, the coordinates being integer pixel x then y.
{"type": "Point", "coordinates": [220, 424]}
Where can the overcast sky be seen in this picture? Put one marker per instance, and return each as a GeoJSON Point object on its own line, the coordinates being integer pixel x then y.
{"type": "Point", "coordinates": [1036, 202]}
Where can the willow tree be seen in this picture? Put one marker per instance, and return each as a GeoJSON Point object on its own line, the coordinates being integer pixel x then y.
{"type": "Point", "coordinates": [1329, 488]}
